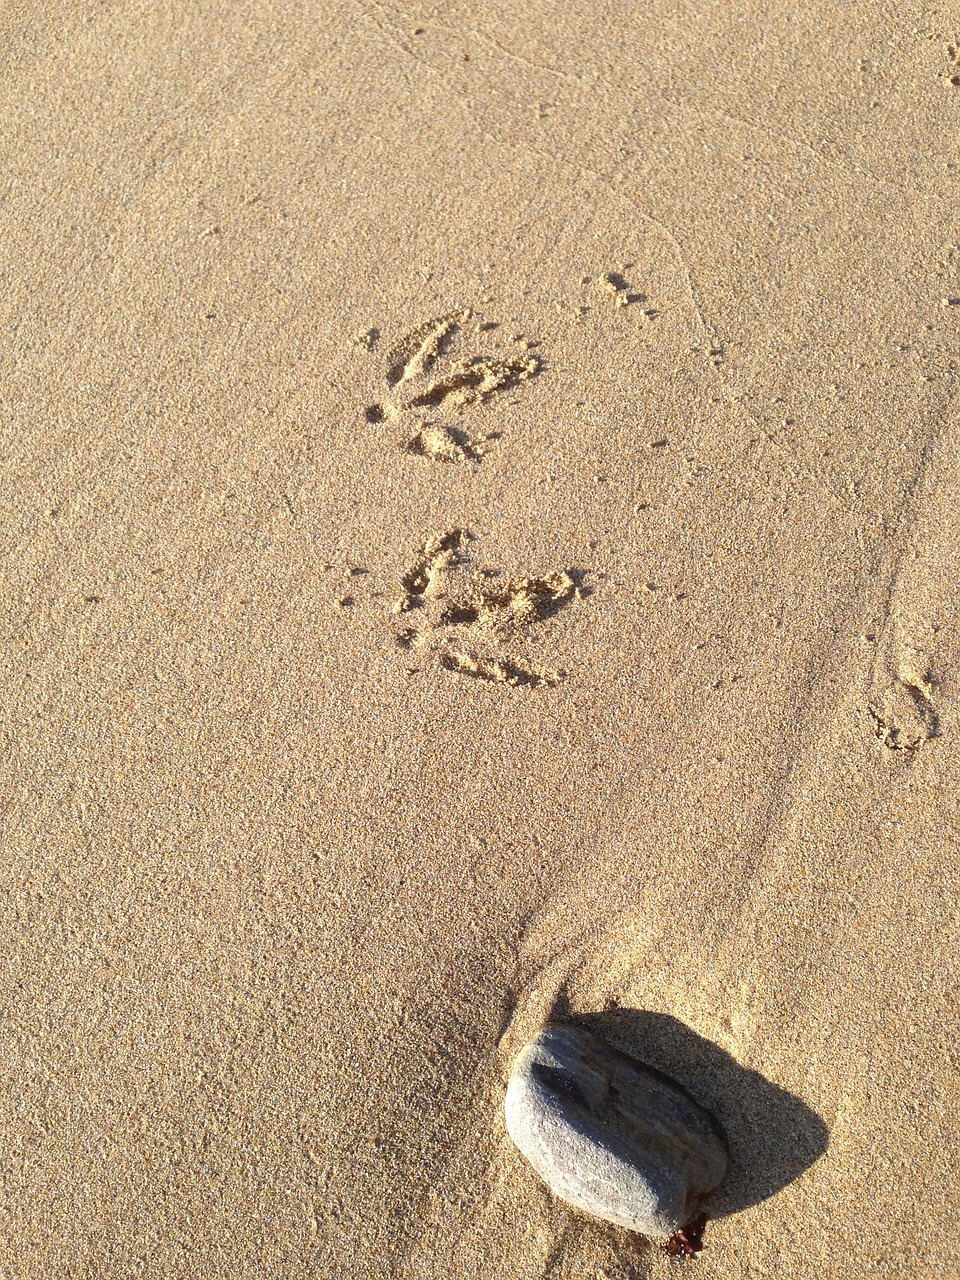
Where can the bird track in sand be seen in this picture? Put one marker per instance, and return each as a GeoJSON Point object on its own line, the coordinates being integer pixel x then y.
{"type": "Point", "coordinates": [471, 620]}
{"type": "Point", "coordinates": [430, 385]}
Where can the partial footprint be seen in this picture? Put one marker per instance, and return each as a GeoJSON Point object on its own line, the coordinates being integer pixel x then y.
{"type": "Point", "coordinates": [422, 378]}
{"type": "Point", "coordinates": [953, 55]}
{"type": "Point", "coordinates": [476, 378]}
{"type": "Point", "coordinates": [469, 623]}
{"type": "Point", "coordinates": [913, 692]}
{"type": "Point", "coordinates": [497, 670]}
{"type": "Point", "coordinates": [902, 707]}
{"type": "Point", "coordinates": [503, 611]}
{"type": "Point", "coordinates": [618, 288]}
{"type": "Point", "coordinates": [443, 444]}
{"type": "Point", "coordinates": [416, 353]}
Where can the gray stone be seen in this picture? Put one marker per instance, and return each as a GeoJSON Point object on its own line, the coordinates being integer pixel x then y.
{"type": "Point", "coordinates": [611, 1136]}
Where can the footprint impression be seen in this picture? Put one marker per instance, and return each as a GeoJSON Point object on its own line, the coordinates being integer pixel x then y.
{"type": "Point", "coordinates": [432, 379]}
{"type": "Point", "coordinates": [902, 704]}
{"type": "Point", "coordinates": [473, 621]}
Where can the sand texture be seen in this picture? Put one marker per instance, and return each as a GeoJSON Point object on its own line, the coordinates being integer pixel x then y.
{"type": "Point", "coordinates": [479, 542]}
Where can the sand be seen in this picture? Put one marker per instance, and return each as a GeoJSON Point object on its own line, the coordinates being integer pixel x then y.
{"type": "Point", "coordinates": [479, 541]}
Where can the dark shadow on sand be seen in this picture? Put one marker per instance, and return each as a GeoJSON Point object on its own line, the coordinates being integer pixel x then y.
{"type": "Point", "coordinates": [774, 1136]}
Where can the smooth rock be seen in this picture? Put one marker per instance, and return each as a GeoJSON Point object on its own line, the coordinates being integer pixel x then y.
{"type": "Point", "coordinates": [611, 1136]}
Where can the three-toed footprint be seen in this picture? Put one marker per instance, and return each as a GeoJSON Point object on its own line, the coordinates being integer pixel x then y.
{"type": "Point", "coordinates": [474, 621]}
{"type": "Point", "coordinates": [432, 377]}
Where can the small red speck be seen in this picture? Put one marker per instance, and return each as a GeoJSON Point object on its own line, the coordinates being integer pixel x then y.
{"type": "Point", "coordinates": [466, 57]}
{"type": "Point", "coordinates": [688, 1240]}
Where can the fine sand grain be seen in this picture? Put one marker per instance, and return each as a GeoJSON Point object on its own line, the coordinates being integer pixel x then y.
{"type": "Point", "coordinates": [480, 542]}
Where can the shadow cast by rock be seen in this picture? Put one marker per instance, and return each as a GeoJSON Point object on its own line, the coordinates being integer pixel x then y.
{"type": "Point", "coordinates": [774, 1136]}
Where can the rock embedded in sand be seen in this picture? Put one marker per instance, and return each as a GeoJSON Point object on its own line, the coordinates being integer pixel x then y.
{"type": "Point", "coordinates": [610, 1136]}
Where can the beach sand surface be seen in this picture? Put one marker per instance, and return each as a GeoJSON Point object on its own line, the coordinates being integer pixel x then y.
{"type": "Point", "coordinates": [479, 543]}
